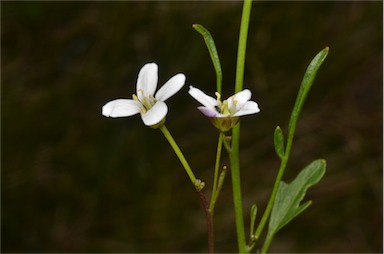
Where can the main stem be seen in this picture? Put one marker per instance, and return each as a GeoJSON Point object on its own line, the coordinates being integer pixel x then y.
{"type": "Point", "coordinates": [242, 45]}
{"type": "Point", "coordinates": [234, 155]}
{"type": "Point", "coordinates": [236, 189]}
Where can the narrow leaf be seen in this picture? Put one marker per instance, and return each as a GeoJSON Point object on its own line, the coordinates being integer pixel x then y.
{"type": "Point", "coordinates": [306, 85]}
{"type": "Point", "coordinates": [288, 198]}
{"type": "Point", "coordinates": [221, 180]}
{"type": "Point", "coordinates": [213, 53]}
{"type": "Point", "coordinates": [253, 219]}
{"type": "Point", "coordinates": [279, 142]}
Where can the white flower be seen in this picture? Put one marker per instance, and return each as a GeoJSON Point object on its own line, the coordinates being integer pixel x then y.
{"type": "Point", "coordinates": [151, 106]}
{"type": "Point", "coordinates": [225, 114]}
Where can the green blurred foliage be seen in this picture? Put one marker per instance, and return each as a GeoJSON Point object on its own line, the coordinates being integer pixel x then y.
{"type": "Point", "coordinates": [75, 181]}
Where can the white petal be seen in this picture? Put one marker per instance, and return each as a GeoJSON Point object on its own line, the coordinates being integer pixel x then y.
{"type": "Point", "coordinates": [155, 114]}
{"type": "Point", "coordinates": [208, 112]}
{"type": "Point", "coordinates": [201, 97]}
{"type": "Point", "coordinates": [250, 107]}
{"type": "Point", "coordinates": [239, 99]}
{"type": "Point", "coordinates": [147, 81]}
{"type": "Point", "coordinates": [172, 86]}
{"type": "Point", "coordinates": [121, 108]}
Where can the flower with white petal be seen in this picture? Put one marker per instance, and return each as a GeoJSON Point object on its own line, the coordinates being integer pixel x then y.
{"type": "Point", "coordinates": [225, 114]}
{"type": "Point", "coordinates": [151, 106]}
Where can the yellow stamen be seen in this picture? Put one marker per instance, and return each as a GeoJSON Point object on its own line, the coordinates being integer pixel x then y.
{"type": "Point", "coordinates": [218, 96]}
{"type": "Point", "coordinates": [224, 108]}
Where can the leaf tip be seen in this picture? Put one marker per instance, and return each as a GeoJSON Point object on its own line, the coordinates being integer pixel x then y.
{"type": "Point", "coordinates": [325, 51]}
{"type": "Point", "coordinates": [323, 162]}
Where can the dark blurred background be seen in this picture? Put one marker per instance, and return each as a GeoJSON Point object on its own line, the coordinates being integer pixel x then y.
{"type": "Point", "coordinates": [75, 181]}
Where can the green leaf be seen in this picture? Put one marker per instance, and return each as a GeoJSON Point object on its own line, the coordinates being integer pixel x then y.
{"type": "Point", "coordinates": [306, 85]}
{"type": "Point", "coordinates": [213, 53]}
{"type": "Point", "coordinates": [253, 214]}
{"type": "Point", "coordinates": [279, 142]}
{"type": "Point", "coordinates": [288, 198]}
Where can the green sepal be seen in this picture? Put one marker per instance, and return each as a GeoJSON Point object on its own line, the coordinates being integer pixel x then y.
{"type": "Point", "coordinates": [279, 142]}
{"type": "Point", "coordinates": [224, 124]}
{"type": "Point", "coordinates": [287, 203]}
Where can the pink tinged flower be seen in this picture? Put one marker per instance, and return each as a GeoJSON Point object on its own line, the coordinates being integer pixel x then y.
{"type": "Point", "coordinates": [225, 114]}
{"type": "Point", "coordinates": [151, 106]}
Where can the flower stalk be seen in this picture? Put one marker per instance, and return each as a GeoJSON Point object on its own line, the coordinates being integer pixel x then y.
{"type": "Point", "coordinates": [217, 180]}
{"type": "Point", "coordinates": [199, 185]}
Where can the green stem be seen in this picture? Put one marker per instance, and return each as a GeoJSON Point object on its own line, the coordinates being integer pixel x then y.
{"type": "Point", "coordinates": [242, 45]}
{"type": "Point", "coordinates": [280, 174]}
{"type": "Point", "coordinates": [196, 182]}
{"type": "Point", "coordinates": [267, 243]}
{"type": "Point", "coordinates": [283, 165]}
{"type": "Point", "coordinates": [215, 188]}
{"type": "Point", "coordinates": [236, 189]}
{"type": "Point", "coordinates": [271, 201]}
{"type": "Point", "coordinates": [234, 155]}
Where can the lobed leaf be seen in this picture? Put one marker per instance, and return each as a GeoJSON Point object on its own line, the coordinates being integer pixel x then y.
{"type": "Point", "coordinates": [287, 203]}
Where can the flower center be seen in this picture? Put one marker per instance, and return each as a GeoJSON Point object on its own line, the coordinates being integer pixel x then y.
{"type": "Point", "coordinates": [146, 101]}
{"type": "Point", "coordinates": [222, 106]}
